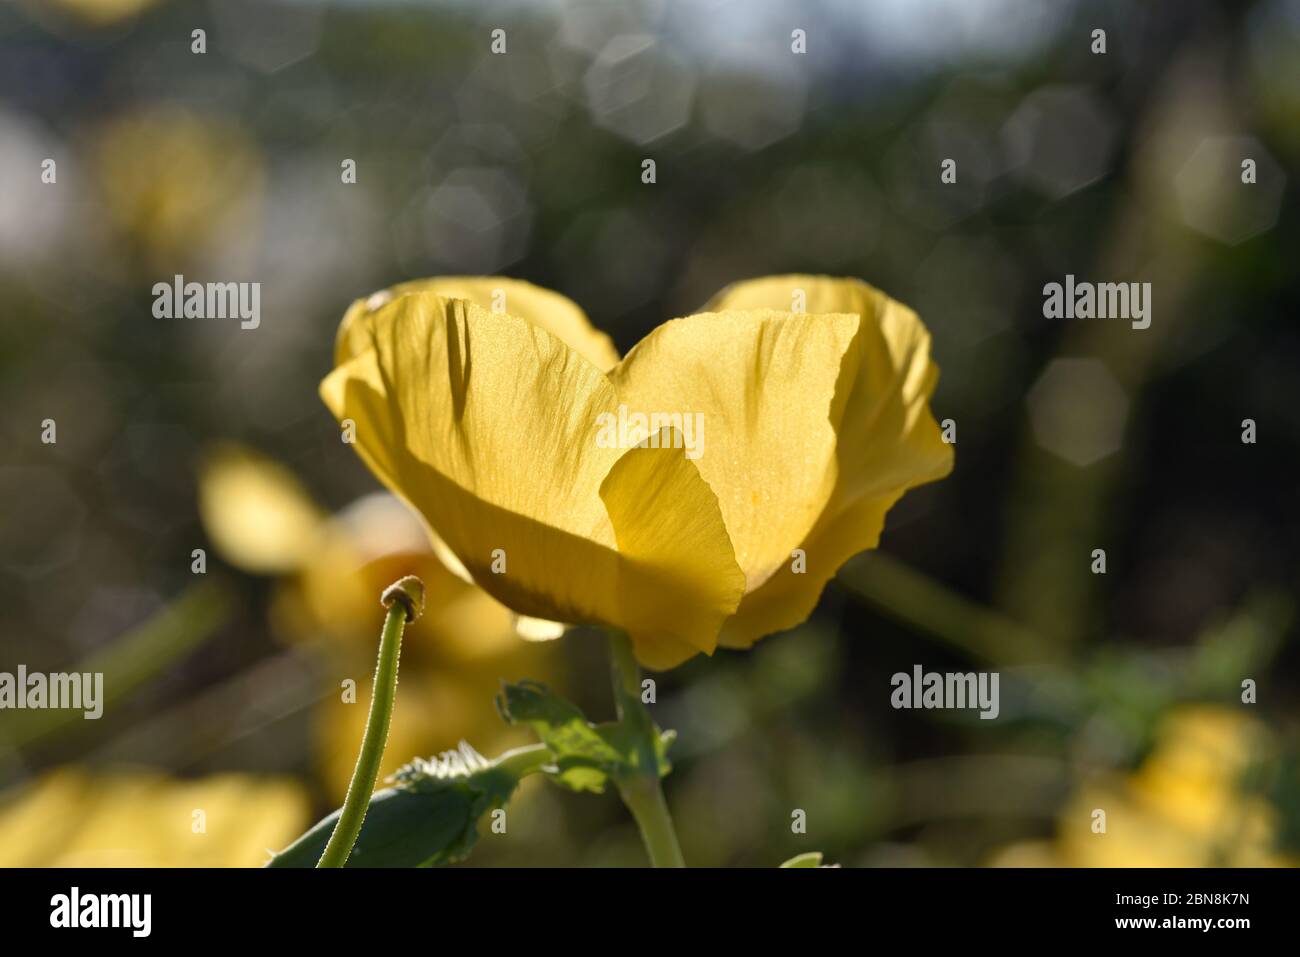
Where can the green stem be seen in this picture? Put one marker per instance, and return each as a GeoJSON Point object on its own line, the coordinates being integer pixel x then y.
{"type": "Point", "coordinates": [645, 799]}
{"type": "Point", "coordinates": [640, 790]}
{"type": "Point", "coordinates": [913, 598]}
{"type": "Point", "coordinates": [366, 772]}
{"type": "Point", "coordinates": [626, 674]}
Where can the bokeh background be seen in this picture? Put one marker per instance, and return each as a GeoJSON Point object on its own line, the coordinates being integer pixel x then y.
{"type": "Point", "coordinates": [1119, 691]}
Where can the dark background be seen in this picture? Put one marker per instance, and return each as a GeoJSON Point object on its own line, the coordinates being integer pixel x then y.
{"type": "Point", "coordinates": [1071, 434]}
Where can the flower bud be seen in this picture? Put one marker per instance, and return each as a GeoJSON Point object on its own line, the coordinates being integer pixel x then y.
{"type": "Point", "coordinates": [410, 592]}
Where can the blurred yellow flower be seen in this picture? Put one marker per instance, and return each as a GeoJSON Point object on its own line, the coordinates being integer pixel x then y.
{"type": "Point", "coordinates": [482, 403]}
{"type": "Point", "coordinates": [101, 13]}
{"type": "Point", "coordinates": [330, 572]}
{"type": "Point", "coordinates": [74, 818]}
{"type": "Point", "coordinates": [177, 185]}
{"type": "Point", "coordinates": [256, 512]}
{"type": "Point", "coordinates": [1185, 806]}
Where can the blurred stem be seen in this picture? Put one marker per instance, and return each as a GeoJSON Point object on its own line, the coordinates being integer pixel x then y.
{"type": "Point", "coordinates": [366, 772]}
{"type": "Point", "coordinates": [923, 603]}
{"type": "Point", "coordinates": [640, 790]}
{"type": "Point", "coordinates": [135, 658]}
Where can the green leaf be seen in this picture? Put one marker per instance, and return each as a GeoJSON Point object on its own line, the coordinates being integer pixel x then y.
{"type": "Point", "coordinates": [810, 859]}
{"type": "Point", "coordinates": [586, 755]}
{"type": "Point", "coordinates": [429, 818]}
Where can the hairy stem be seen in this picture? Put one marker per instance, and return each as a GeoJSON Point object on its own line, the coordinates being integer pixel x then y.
{"type": "Point", "coordinates": [366, 772]}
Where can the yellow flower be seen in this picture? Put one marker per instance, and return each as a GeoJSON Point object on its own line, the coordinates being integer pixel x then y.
{"type": "Point", "coordinates": [487, 403]}
{"type": "Point", "coordinates": [332, 568]}
{"type": "Point", "coordinates": [72, 818]}
{"type": "Point", "coordinates": [1185, 806]}
{"type": "Point", "coordinates": [178, 187]}
{"type": "Point", "coordinates": [330, 572]}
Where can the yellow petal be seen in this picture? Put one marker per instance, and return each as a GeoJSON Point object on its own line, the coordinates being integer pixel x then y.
{"type": "Point", "coordinates": [256, 512]}
{"type": "Point", "coordinates": [761, 386]}
{"type": "Point", "coordinates": [678, 559]}
{"type": "Point", "coordinates": [487, 424]}
{"type": "Point", "coordinates": [556, 314]}
{"type": "Point", "coordinates": [890, 439]}
{"type": "Point", "coordinates": [787, 598]}
{"type": "Point", "coordinates": [883, 436]}
{"type": "Point", "coordinates": [538, 629]}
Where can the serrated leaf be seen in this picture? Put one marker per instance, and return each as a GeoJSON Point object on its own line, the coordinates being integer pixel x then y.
{"type": "Point", "coordinates": [587, 755]}
{"type": "Point", "coordinates": [430, 819]}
